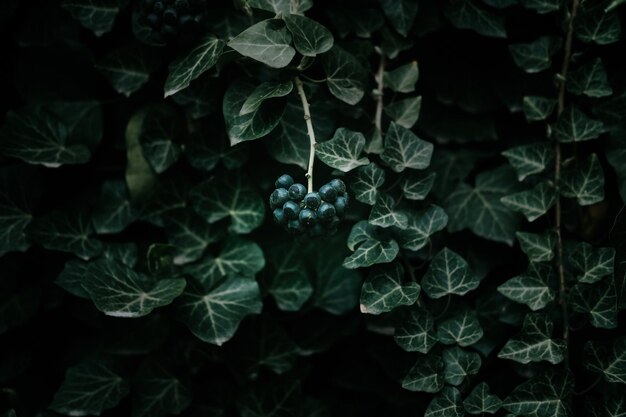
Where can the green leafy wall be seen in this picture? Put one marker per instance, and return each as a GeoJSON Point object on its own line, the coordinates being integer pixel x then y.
{"type": "Point", "coordinates": [480, 266]}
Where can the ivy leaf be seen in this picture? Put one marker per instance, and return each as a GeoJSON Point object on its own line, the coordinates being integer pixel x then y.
{"type": "Point", "coordinates": [585, 183]}
{"type": "Point", "coordinates": [128, 68]}
{"type": "Point", "coordinates": [421, 225]}
{"type": "Point", "coordinates": [158, 392]}
{"type": "Point", "coordinates": [611, 363]}
{"type": "Point", "coordinates": [538, 247]}
{"type": "Point", "coordinates": [537, 108]}
{"type": "Point", "coordinates": [481, 400]}
{"type": "Point", "coordinates": [290, 284]}
{"type": "Point", "coordinates": [368, 248]}
{"type": "Point", "coordinates": [17, 203]}
{"type": "Point", "coordinates": [262, 92]}
{"type": "Point", "coordinates": [529, 159]}
{"type": "Point", "coordinates": [404, 112]}
{"type": "Point", "coordinates": [67, 231]}
{"type": "Point", "coordinates": [385, 289]}
{"type": "Point", "coordinates": [213, 314]}
{"type": "Point", "coordinates": [533, 203]}
{"type": "Point", "coordinates": [159, 135]}
{"type": "Point", "coordinates": [460, 364]}
{"type": "Point", "coordinates": [532, 288]}
{"type": "Point", "coordinates": [95, 15]}
{"type": "Point", "coordinates": [343, 150]}
{"type": "Point", "coordinates": [479, 208]}
{"type": "Point", "coordinates": [535, 56]}
{"type": "Point", "coordinates": [71, 278]}
{"type": "Point", "coordinates": [590, 80]}
{"type": "Point", "coordinates": [463, 329]}
{"type": "Point", "coordinates": [446, 404]}
{"type": "Point", "coordinates": [89, 388]}
{"type": "Point", "coordinates": [466, 14]}
{"type": "Point", "coordinates": [384, 214]}
{"type": "Point", "coordinates": [252, 125]}
{"type": "Point", "coordinates": [599, 301]}
{"type": "Point", "coordinates": [118, 291]}
{"type": "Point", "coordinates": [426, 375]}
{"type": "Point", "coordinates": [416, 186]}
{"type": "Point", "coordinates": [403, 78]}
{"type": "Point", "coordinates": [591, 264]}
{"type": "Point", "coordinates": [281, 6]}
{"type": "Point", "coordinates": [405, 150]}
{"type": "Point", "coordinates": [598, 26]}
{"type": "Point", "coordinates": [192, 64]}
{"type": "Point", "coordinates": [267, 41]}
{"type": "Point", "coordinates": [309, 37]}
{"type": "Point", "coordinates": [448, 273]}
{"type": "Point", "coordinates": [401, 14]}
{"type": "Point", "coordinates": [229, 196]}
{"type": "Point", "coordinates": [416, 333]}
{"type": "Point", "coordinates": [575, 126]}
{"type": "Point", "coordinates": [36, 136]}
{"type": "Point", "coordinates": [542, 396]}
{"type": "Point", "coordinates": [365, 182]}
{"type": "Point", "coordinates": [542, 6]}
{"type": "Point", "coordinates": [345, 77]}
{"type": "Point", "coordinates": [114, 210]}
{"type": "Point", "coordinates": [189, 234]}
{"type": "Point", "coordinates": [534, 343]}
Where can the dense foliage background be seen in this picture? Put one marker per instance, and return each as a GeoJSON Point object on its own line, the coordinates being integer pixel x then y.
{"type": "Point", "coordinates": [484, 147]}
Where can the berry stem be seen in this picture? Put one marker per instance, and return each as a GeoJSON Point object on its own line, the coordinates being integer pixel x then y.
{"type": "Point", "coordinates": [309, 129]}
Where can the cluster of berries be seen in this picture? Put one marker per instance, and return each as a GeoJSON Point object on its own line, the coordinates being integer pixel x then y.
{"type": "Point", "coordinates": [313, 214]}
{"type": "Point", "coordinates": [172, 19]}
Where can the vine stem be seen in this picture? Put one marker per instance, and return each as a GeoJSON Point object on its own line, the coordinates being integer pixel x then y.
{"type": "Point", "coordinates": [380, 75]}
{"type": "Point", "coordinates": [557, 170]}
{"type": "Point", "coordinates": [310, 132]}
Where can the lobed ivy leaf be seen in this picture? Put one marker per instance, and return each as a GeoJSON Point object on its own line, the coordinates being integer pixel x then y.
{"type": "Point", "coordinates": [402, 79]}
{"type": "Point", "coordinates": [609, 405]}
{"type": "Point", "coordinates": [447, 274]}
{"type": "Point", "coordinates": [161, 131]}
{"type": "Point", "coordinates": [229, 196]}
{"type": "Point", "coordinates": [596, 25]}
{"type": "Point", "coordinates": [447, 403]}
{"type": "Point", "coordinates": [386, 288]}
{"type": "Point", "coordinates": [405, 150]}
{"type": "Point", "coordinates": [416, 333]}
{"type": "Point", "coordinates": [610, 363]}
{"type": "Point", "coordinates": [284, 7]}
{"type": "Point", "coordinates": [310, 38]}
{"type": "Point", "coordinates": [533, 203]}
{"type": "Point", "coordinates": [575, 126]}
{"type": "Point", "coordinates": [584, 183]}
{"type": "Point", "coordinates": [267, 41]}
{"type": "Point", "coordinates": [384, 213]}
{"type": "Point", "coordinates": [17, 203]}
{"type": "Point", "coordinates": [95, 15]}
{"type": "Point", "coordinates": [542, 6]}
{"type": "Point", "coordinates": [262, 92]}
{"type": "Point", "coordinates": [401, 14]}
{"type": "Point", "coordinates": [459, 364]}
{"type": "Point", "coordinates": [537, 108]}
{"type": "Point", "coordinates": [481, 400]}
{"type": "Point", "coordinates": [450, 169]}
{"type": "Point", "coordinates": [365, 181]}
{"type": "Point", "coordinates": [534, 288]}
{"type": "Point", "coordinates": [529, 159]}
{"type": "Point", "coordinates": [463, 329]}
{"type": "Point", "coordinates": [421, 226]}
{"type": "Point", "coordinates": [157, 391]}
{"type": "Point", "coordinates": [405, 112]}
{"type": "Point", "coordinates": [416, 186]}
{"type": "Point", "coordinates": [290, 284]}
{"type": "Point", "coordinates": [590, 80]}
{"type": "Point", "coordinates": [190, 234]}
{"type": "Point", "coordinates": [534, 342]}
{"type": "Point", "coordinates": [466, 14]}
{"type": "Point", "coordinates": [114, 211]}
{"type": "Point", "coordinates": [343, 150]}
{"type": "Point", "coordinates": [369, 249]}
{"type": "Point", "coordinates": [545, 395]}
{"type": "Point", "coordinates": [128, 68]}
{"type": "Point", "coordinates": [535, 56]}
{"type": "Point", "coordinates": [590, 264]}
{"type": "Point", "coordinates": [345, 77]}
{"type": "Point", "coordinates": [213, 314]}
{"type": "Point", "coordinates": [598, 301]}
{"type": "Point", "coordinates": [89, 388]}
{"type": "Point", "coordinates": [72, 277]}
{"type": "Point", "coordinates": [426, 375]}
{"type": "Point", "coordinates": [538, 247]}
{"type": "Point", "coordinates": [192, 64]}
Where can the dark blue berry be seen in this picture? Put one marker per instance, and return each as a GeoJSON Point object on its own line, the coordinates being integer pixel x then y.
{"type": "Point", "coordinates": [340, 205]}
{"type": "Point", "coordinates": [294, 226]}
{"type": "Point", "coordinates": [307, 217]}
{"type": "Point", "coordinates": [284, 181]}
{"type": "Point", "coordinates": [181, 5]}
{"type": "Point", "coordinates": [328, 193]}
{"type": "Point", "coordinates": [326, 212]}
{"type": "Point", "coordinates": [279, 216]}
{"type": "Point", "coordinates": [297, 192]}
{"type": "Point", "coordinates": [153, 20]}
{"type": "Point", "coordinates": [170, 17]}
{"type": "Point", "coordinates": [338, 185]}
{"type": "Point", "coordinates": [158, 7]}
{"type": "Point", "coordinates": [312, 200]}
{"type": "Point", "coordinates": [279, 197]}
{"type": "Point", "coordinates": [291, 209]}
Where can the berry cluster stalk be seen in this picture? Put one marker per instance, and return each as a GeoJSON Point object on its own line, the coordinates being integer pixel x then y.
{"type": "Point", "coordinates": [379, 92]}
{"type": "Point", "coordinates": [311, 133]}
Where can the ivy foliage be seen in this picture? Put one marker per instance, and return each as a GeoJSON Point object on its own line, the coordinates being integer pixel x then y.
{"type": "Point", "coordinates": [480, 267]}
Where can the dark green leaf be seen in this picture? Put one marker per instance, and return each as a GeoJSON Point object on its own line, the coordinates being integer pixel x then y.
{"type": "Point", "coordinates": [545, 395]}
{"type": "Point", "coordinates": [416, 333]}
{"type": "Point", "coordinates": [403, 78]}
{"type": "Point", "coordinates": [447, 274]}
{"type": "Point", "coordinates": [405, 150]}
{"type": "Point", "coordinates": [538, 247]}
{"type": "Point", "coordinates": [575, 126]}
{"type": "Point", "coordinates": [598, 26]}
{"type": "Point", "coordinates": [584, 183]}
{"type": "Point", "coordinates": [345, 77]}
{"type": "Point", "coordinates": [590, 80]}
{"type": "Point", "coordinates": [401, 14]}
{"type": "Point", "coordinates": [481, 400]}
{"type": "Point", "coordinates": [95, 15]}
{"type": "Point", "coordinates": [529, 159]}
{"type": "Point", "coordinates": [534, 288]}
{"type": "Point", "coordinates": [128, 68]}
{"type": "Point", "coordinates": [535, 56]}
{"type": "Point", "coordinates": [416, 186]}
{"type": "Point", "coordinates": [368, 248]}
{"type": "Point", "coordinates": [343, 151]}
{"type": "Point", "coordinates": [387, 288]}
{"type": "Point", "coordinates": [446, 404]}
{"type": "Point", "coordinates": [309, 37]}
{"type": "Point", "coordinates": [421, 226]}
{"type": "Point", "coordinates": [365, 182]}
{"type": "Point", "coordinates": [404, 112]}
{"type": "Point", "coordinates": [463, 329]}
{"type": "Point", "coordinates": [542, 6]}
{"type": "Point", "coordinates": [17, 202]}
{"type": "Point", "coordinates": [611, 363]}
{"type": "Point", "coordinates": [534, 343]}
{"type": "Point", "coordinates": [267, 41]}
{"type": "Point", "coordinates": [158, 392]}
{"type": "Point", "coordinates": [599, 301]}
{"type": "Point", "coordinates": [384, 213]}
{"type": "Point", "coordinates": [537, 108]}
{"type": "Point", "coordinates": [459, 365]}
{"type": "Point", "coordinates": [290, 284]}
{"type": "Point", "coordinates": [465, 14]}
{"type": "Point", "coordinates": [591, 263]}
{"type": "Point", "coordinates": [262, 92]}
{"type": "Point", "coordinates": [189, 234]}
{"type": "Point", "coordinates": [113, 211]}
{"type": "Point", "coordinates": [533, 203]}
{"type": "Point", "coordinates": [426, 375]}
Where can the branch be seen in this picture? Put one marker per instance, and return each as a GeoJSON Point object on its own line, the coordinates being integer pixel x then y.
{"type": "Point", "coordinates": [311, 133]}
{"type": "Point", "coordinates": [557, 172]}
{"type": "Point", "coordinates": [379, 92]}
